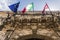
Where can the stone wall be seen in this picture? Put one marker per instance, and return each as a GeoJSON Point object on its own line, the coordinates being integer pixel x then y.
{"type": "Point", "coordinates": [21, 27]}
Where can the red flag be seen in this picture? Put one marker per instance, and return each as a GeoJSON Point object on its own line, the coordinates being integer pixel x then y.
{"type": "Point", "coordinates": [45, 7]}
{"type": "Point", "coordinates": [29, 7]}
{"type": "Point", "coordinates": [23, 11]}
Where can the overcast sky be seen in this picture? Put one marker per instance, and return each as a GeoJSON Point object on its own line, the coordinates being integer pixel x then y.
{"type": "Point", "coordinates": [38, 4]}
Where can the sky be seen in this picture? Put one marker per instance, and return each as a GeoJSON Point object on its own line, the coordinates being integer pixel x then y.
{"type": "Point", "coordinates": [54, 5]}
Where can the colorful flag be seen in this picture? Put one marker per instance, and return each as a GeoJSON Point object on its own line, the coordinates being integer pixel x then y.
{"type": "Point", "coordinates": [14, 7]}
{"type": "Point", "coordinates": [45, 7]}
{"type": "Point", "coordinates": [28, 8]}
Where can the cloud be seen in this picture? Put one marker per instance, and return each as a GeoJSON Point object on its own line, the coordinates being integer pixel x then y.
{"type": "Point", "coordinates": [5, 3]}
{"type": "Point", "coordinates": [4, 6]}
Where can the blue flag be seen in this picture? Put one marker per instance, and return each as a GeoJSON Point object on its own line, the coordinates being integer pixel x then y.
{"type": "Point", "coordinates": [14, 7]}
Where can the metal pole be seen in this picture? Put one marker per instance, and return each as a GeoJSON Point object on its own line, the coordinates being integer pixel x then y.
{"type": "Point", "coordinates": [13, 26]}
{"type": "Point", "coordinates": [53, 21]}
{"type": "Point", "coordinates": [33, 8]}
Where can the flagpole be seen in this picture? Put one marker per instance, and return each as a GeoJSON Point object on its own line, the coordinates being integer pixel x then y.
{"type": "Point", "coordinates": [15, 12]}
{"type": "Point", "coordinates": [49, 9]}
{"type": "Point", "coordinates": [13, 25]}
{"type": "Point", "coordinates": [50, 12]}
{"type": "Point", "coordinates": [53, 22]}
{"type": "Point", "coordinates": [33, 8]}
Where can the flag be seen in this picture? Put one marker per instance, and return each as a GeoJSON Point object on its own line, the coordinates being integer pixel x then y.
{"type": "Point", "coordinates": [14, 7]}
{"type": "Point", "coordinates": [24, 10]}
{"type": "Point", "coordinates": [28, 8]}
{"type": "Point", "coordinates": [45, 7]}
